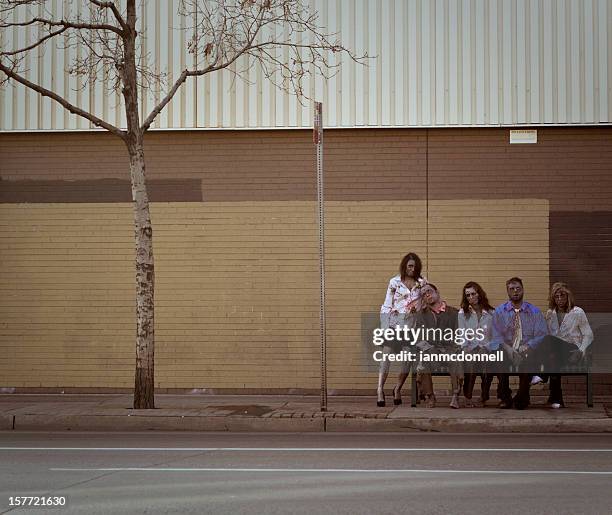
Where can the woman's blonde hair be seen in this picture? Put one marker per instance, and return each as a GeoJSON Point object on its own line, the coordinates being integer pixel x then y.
{"type": "Point", "coordinates": [561, 287]}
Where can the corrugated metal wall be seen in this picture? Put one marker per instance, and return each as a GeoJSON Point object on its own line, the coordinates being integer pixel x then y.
{"type": "Point", "coordinates": [438, 63]}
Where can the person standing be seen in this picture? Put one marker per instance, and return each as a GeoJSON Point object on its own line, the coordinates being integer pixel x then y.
{"type": "Point", "coordinates": [476, 314]}
{"type": "Point", "coordinates": [570, 337]}
{"type": "Point", "coordinates": [436, 318]}
{"type": "Point", "coordinates": [518, 328]}
{"type": "Point", "coordinates": [402, 301]}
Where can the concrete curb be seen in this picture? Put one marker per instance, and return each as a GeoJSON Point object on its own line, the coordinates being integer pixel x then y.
{"type": "Point", "coordinates": [120, 423]}
{"type": "Point", "coordinates": [6, 422]}
{"type": "Point", "coordinates": [477, 425]}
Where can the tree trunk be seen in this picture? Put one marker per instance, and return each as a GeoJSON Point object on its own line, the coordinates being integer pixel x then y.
{"type": "Point", "coordinates": [144, 381]}
{"type": "Point", "coordinates": [144, 377]}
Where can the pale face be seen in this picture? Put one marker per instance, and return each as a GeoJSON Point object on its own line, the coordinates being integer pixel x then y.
{"type": "Point", "coordinates": [430, 296]}
{"type": "Point", "coordinates": [515, 292]}
{"type": "Point", "coordinates": [472, 296]}
{"type": "Point", "coordinates": [560, 298]}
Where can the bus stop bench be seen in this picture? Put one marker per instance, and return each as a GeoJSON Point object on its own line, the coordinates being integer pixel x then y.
{"type": "Point", "coordinates": [589, 385]}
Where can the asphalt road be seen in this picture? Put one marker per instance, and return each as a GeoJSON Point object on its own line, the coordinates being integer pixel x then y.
{"type": "Point", "coordinates": [308, 473]}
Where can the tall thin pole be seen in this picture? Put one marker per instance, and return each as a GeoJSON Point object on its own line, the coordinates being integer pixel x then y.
{"type": "Point", "coordinates": [318, 140]}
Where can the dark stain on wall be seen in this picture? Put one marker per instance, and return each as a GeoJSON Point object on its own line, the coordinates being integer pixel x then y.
{"type": "Point", "coordinates": [96, 191]}
{"type": "Point", "coordinates": [581, 255]}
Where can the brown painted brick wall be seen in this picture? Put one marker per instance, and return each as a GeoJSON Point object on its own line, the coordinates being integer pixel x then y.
{"type": "Point", "coordinates": [571, 167]}
{"type": "Point", "coordinates": [229, 166]}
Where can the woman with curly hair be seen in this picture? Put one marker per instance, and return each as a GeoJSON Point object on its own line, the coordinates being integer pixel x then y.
{"type": "Point", "coordinates": [476, 313]}
{"type": "Point", "coordinates": [569, 338]}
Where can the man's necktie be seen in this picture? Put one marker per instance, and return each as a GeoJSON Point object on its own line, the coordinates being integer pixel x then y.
{"type": "Point", "coordinates": [516, 339]}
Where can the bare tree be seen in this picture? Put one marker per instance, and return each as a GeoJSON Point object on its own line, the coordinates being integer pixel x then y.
{"type": "Point", "coordinates": [222, 32]}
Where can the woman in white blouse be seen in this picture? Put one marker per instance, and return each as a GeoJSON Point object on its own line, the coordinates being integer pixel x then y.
{"type": "Point", "coordinates": [570, 336]}
{"type": "Point", "coordinates": [403, 299]}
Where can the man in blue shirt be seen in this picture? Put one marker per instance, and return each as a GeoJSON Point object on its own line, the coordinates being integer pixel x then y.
{"type": "Point", "coordinates": [518, 328]}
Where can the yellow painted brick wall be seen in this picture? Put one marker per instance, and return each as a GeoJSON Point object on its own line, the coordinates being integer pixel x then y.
{"type": "Point", "coordinates": [489, 242]}
{"type": "Point", "coordinates": [365, 244]}
{"type": "Point", "coordinates": [237, 295]}
{"type": "Point", "coordinates": [237, 285]}
{"type": "Point", "coordinates": [485, 241]}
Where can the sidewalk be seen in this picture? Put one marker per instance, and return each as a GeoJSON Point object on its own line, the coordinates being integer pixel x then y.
{"type": "Point", "coordinates": [286, 413]}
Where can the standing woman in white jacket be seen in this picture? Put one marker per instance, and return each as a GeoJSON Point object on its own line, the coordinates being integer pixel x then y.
{"type": "Point", "coordinates": [570, 336]}
{"type": "Point", "coordinates": [402, 301]}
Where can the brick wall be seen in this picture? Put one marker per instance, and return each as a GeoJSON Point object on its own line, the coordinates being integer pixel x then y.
{"type": "Point", "coordinates": [236, 245]}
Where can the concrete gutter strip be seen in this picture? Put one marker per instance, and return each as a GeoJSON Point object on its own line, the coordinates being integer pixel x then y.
{"type": "Point", "coordinates": [112, 423]}
{"type": "Point", "coordinates": [117, 423]}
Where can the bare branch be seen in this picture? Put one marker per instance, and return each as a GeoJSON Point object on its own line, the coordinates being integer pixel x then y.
{"type": "Point", "coordinates": [62, 101]}
{"type": "Point", "coordinates": [113, 8]}
{"type": "Point", "coordinates": [258, 29]}
{"type": "Point", "coordinates": [63, 23]}
{"type": "Point", "coordinates": [195, 73]}
{"type": "Point", "coordinates": [35, 44]}
{"type": "Point", "coordinates": [159, 107]}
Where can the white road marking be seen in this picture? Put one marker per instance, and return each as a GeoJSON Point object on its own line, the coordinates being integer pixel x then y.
{"type": "Point", "coordinates": [302, 449]}
{"type": "Point", "coordinates": [393, 471]}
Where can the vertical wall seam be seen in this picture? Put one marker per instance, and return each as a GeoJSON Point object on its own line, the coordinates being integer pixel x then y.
{"type": "Point", "coordinates": [542, 81]}
{"type": "Point", "coordinates": [568, 62]}
{"type": "Point", "coordinates": [473, 77]}
{"type": "Point", "coordinates": [501, 90]}
{"type": "Point", "coordinates": [591, 30]}
{"type": "Point", "coordinates": [432, 66]}
{"type": "Point", "coordinates": [427, 201]}
{"type": "Point", "coordinates": [459, 75]}
{"type": "Point", "coordinates": [419, 66]}
{"type": "Point", "coordinates": [527, 65]}
{"type": "Point", "coordinates": [406, 63]}
{"type": "Point", "coordinates": [609, 58]}
{"type": "Point", "coordinates": [513, 63]}
{"type": "Point", "coordinates": [582, 64]}
{"type": "Point", "coordinates": [446, 53]}
{"type": "Point", "coordinates": [555, 65]}
{"type": "Point", "coordinates": [337, 92]}
{"type": "Point", "coordinates": [379, 120]}
{"type": "Point", "coordinates": [487, 66]}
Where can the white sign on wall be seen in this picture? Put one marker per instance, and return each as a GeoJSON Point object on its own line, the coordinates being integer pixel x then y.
{"type": "Point", "coordinates": [523, 136]}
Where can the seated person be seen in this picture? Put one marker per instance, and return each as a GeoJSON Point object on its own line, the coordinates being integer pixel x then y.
{"type": "Point", "coordinates": [518, 328]}
{"type": "Point", "coordinates": [570, 337]}
{"type": "Point", "coordinates": [476, 314]}
{"type": "Point", "coordinates": [436, 314]}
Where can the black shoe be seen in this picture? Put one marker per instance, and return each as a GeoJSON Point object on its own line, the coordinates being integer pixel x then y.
{"type": "Point", "coordinates": [519, 403]}
{"type": "Point", "coordinates": [397, 401]}
{"type": "Point", "coordinates": [379, 403]}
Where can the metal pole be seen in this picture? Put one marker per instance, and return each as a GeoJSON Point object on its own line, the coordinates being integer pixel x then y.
{"type": "Point", "coordinates": [318, 140]}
